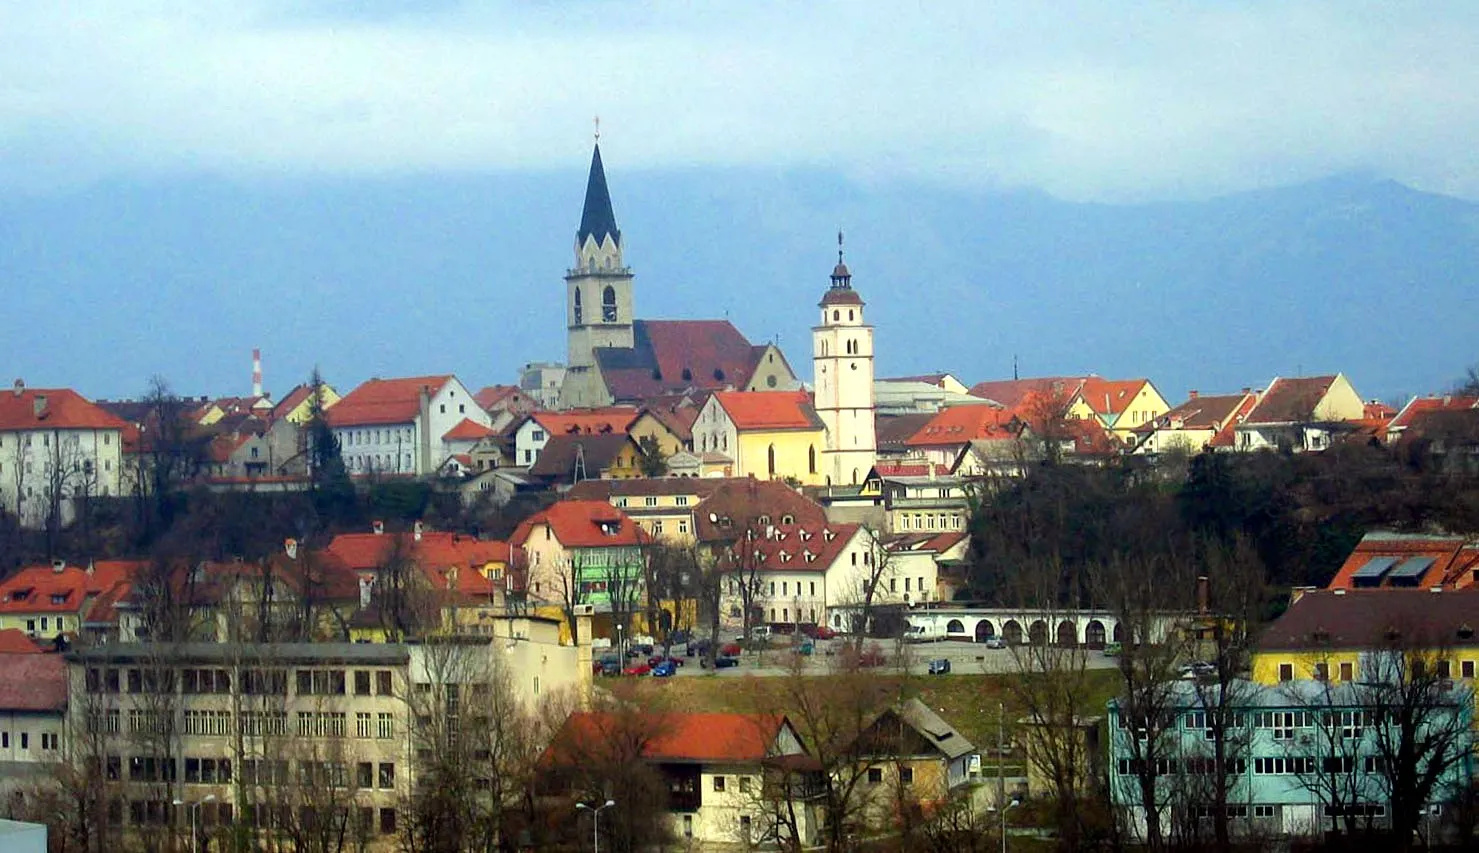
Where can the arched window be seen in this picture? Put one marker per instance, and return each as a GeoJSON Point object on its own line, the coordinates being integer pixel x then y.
{"type": "Point", "coordinates": [770, 459]}
{"type": "Point", "coordinates": [811, 458]}
{"type": "Point", "coordinates": [849, 314]}
{"type": "Point", "coordinates": [608, 305]}
{"type": "Point", "coordinates": [577, 306]}
{"type": "Point", "coordinates": [836, 315]}
{"type": "Point", "coordinates": [824, 347]}
{"type": "Point", "coordinates": [854, 476]}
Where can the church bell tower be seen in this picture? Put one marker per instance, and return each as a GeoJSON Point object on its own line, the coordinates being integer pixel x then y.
{"type": "Point", "coordinates": [842, 365]}
{"type": "Point", "coordinates": [598, 289]}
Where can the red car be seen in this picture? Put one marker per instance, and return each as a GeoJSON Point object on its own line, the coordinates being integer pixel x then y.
{"type": "Point", "coordinates": [637, 669]}
{"type": "Point", "coordinates": [822, 632]}
{"type": "Point", "coordinates": [730, 650]}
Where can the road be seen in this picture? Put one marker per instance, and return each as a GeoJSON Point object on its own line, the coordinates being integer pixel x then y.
{"type": "Point", "coordinates": [965, 658]}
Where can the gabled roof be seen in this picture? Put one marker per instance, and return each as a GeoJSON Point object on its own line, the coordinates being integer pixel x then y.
{"type": "Point", "coordinates": [894, 431]}
{"type": "Point", "coordinates": [582, 524]}
{"type": "Point", "coordinates": [467, 430]}
{"type": "Point", "coordinates": [24, 408]}
{"type": "Point", "coordinates": [764, 411]}
{"type": "Point", "coordinates": [912, 714]}
{"type": "Point", "coordinates": [1413, 560]}
{"type": "Point", "coordinates": [596, 452]}
{"type": "Point", "coordinates": [1110, 396]}
{"type": "Point", "coordinates": [742, 503]}
{"type": "Point", "coordinates": [1289, 401]}
{"type": "Point", "coordinates": [678, 420]}
{"type": "Point", "coordinates": [494, 395]}
{"type": "Point", "coordinates": [1201, 412]}
{"type": "Point", "coordinates": [1417, 407]}
{"type": "Point", "coordinates": [385, 401]}
{"type": "Point", "coordinates": [1227, 436]}
{"type": "Point", "coordinates": [1374, 618]}
{"type": "Point", "coordinates": [597, 219]}
{"type": "Point", "coordinates": [795, 547]}
{"type": "Point", "coordinates": [13, 641]}
{"type": "Point", "coordinates": [44, 589]}
{"type": "Point", "coordinates": [33, 683]}
{"type": "Point", "coordinates": [698, 738]}
{"type": "Point", "coordinates": [615, 419]}
{"type": "Point", "coordinates": [961, 424]}
{"type": "Point", "coordinates": [437, 549]}
{"type": "Point", "coordinates": [295, 398]}
{"type": "Point", "coordinates": [673, 356]}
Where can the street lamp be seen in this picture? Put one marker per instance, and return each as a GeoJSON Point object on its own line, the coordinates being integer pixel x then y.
{"type": "Point", "coordinates": [194, 807]}
{"type": "Point", "coordinates": [595, 822]}
{"type": "Point", "coordinates": [621, 646]}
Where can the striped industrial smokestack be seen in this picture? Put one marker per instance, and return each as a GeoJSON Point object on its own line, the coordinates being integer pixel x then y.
{"type": "Point", "coordinates": [256, 373]}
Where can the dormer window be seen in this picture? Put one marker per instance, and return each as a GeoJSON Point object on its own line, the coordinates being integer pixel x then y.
{"type": "Point", "coordinates": [803, 534]}
{"type": "Point", "coordinates": [59, 598]}
{"type": "Point", "coordinates": [788, 519]}
{"type": "Point", "coordinates": [785, 558]}
{"type": "Point", "coordinates": [809, 556]}
{"type": "Point", "coordinates": [828, 535]}
{"type": "Point", "coordinates": [764, 519]}
{"type": "Point", "coordinates": [1465, 632]}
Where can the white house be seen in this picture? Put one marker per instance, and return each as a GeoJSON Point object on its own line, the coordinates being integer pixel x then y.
{"type": "Point", "coordinates": [537, 428]}
{"type": "Point", "coordinates": [55, 447]}
{"type": "Point", "coordinates": [1300, 414]}
{"type": "Point", "coordinates": [396, 426]}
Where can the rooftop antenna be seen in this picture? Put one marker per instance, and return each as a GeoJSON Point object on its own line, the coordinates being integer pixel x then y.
{"type": "Point", "coordinates": [1014, 367]}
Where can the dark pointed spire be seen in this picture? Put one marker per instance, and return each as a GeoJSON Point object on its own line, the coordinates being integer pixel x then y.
{"type": "Point", "coordinates": [597, 219]}
{"type": "Point", "coordinates": [841, 277]}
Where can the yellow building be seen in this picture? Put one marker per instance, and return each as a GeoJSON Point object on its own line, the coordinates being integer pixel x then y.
{"type": "Point", "coordinates": [771, 435]}
{"type": "Point", "coordinates": [908, 758]}
{"type": "Point", "coordinates": [1336, 634]}
{"type": "Point", "coordinates": [670, 426]}
{"type": "Point", "coordinates": [1119, 405]}
{"type": "Point", "coordinates": [297, 406]}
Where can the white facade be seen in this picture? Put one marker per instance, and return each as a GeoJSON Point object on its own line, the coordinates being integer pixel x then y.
{"type": "Point", "coordinates": [842, 365]}
{"type": "Point", "coordinates": [715, 432]}
{"type": "Point", "coordinates": [75, 463]}
{"type": "Point", "coordinates": [413, 447]}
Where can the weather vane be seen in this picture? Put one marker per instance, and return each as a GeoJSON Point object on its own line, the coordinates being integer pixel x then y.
{"type": "Point", "coordinates": [839, 245]}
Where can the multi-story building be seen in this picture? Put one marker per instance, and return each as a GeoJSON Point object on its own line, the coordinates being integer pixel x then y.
{"type": "Point", "coordinates": [56, 448]}
{"type": "Point", "coordinates": [33, 706]}
{"type": "Point", "coordinates": [772, 435]}
{"type": "Point", "coordinates": [582, 552]}
{"type": "Point", "coordinates": [1300, 414]}
{"type": "Point", "coordinates": [52, 600]}
{"type": "Point", "coordinates": [398, 426]}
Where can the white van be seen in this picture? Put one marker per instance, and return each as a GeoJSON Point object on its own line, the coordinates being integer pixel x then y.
{"type": "Point", "coordinates": [923, 634]}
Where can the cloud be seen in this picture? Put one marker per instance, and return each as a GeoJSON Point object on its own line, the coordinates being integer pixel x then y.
{"type": "Point", "coordinates": [1086, 100]}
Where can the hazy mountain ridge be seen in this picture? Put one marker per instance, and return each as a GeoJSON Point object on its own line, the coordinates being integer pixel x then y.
{"type": "Point", "coordinates": [463, 273]}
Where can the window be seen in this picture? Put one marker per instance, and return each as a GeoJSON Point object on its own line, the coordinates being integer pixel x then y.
{"type": "Point", "coordinates": [387, 775]}
{"type": "Point", "coordinates": [1322, 671]}
{"type": "Point", "coordinates": [906, 775]}
{"type": "Point", "coordinates": [1347, 671]}
{"type": "Point", "coordinates": [688, 826]}
{"type": "Point", "coordinates": [608, 305]}
{"type": "Point", "coordinates": [383, 684]}
{"type": "Point", "coordinates": [875, 775]}
{"type": "Point", "coordinates": [1286, 672]}
{"type": "Point", "coordinates": [49, 740]}
{"type": "Point", "coordinates": [718, 783]}
{"type": "Point", "coordinates": [744, 784]}
{"type": "Point", "coordinates": [1445, 669]}
{"type": "Point", "coordinates": [364, 775]}
{"type": "Point", "coordinates": [362, 724]}
{"type": "Point", "coordinates": [1467, 669]}
{"type": "Point", "coordinates": [361, 682]}
{"type": "Point", "coordinates": [387, 821]}
{"type": "Point", "coordinates": [1263, 811]}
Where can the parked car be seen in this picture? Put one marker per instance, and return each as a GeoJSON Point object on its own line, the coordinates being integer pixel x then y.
{"type": "Point", "coordinates": [730, 649]}
{"type": "Point", "coordinates": [822, 632]}
{"type": "Point", "coordinates": [1198, 669]}
{"type": "Point", "coordinates": [637, 669]}
{"type": "Point", "coordinates": [608, 665]}
{"type": "Point", "coordinates": [725, 661]}
{"type": "Point", "coordinates": [940, 666]}
{"type": "Point", "coordinates": [665, 669]}
{"type": "Point", "coordinates": [658, 659]}
{"type": "Point", "coordinates": [995, 642]}
{"type": "Point", "coordinates": [696, 649]}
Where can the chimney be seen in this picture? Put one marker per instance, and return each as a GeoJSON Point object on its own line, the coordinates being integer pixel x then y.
{"type": "Point", "coordinates": [366, 584]}
{"type": "Point", "coordinates": [20, 387]}
{"type": "Point", "coordinates": [1340, 592]}
{"type": "Point", "coordinates": [89, 567]}
{"type": "Point", "coordinates": [256, 373]}
{"type": "Point", "coordinates": [1204, 594]}
{"type": "Point", "coordinates": [38, 406]}
{"type": "Point", "coordinates": [1192, 393]}
{"type": "Point", "coordinates": [416, 531]}
{"type": "Point", "coordinates": [378, 527]}
{"type": "Point", "coordinates": [1247, 389]}
{"type": "Point", "coordinates": [58, 566]}
{"type": "Point", "coordinates": [1435, 590]}
{"type": "Point", "coordinates": [291, 546]}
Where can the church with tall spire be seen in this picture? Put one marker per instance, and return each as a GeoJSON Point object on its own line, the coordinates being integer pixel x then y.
{"type": "Point", "coordinates": [614, 358]}
{"type": "Point", "coordinates": [842, 370]}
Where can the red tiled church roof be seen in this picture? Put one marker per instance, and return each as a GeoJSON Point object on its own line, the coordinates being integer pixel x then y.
{"type": "Point", "coordinates": [670, 356]}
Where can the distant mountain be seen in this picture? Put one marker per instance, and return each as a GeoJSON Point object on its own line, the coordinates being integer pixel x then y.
{"type": "Point", "coordinates": [463, 273]}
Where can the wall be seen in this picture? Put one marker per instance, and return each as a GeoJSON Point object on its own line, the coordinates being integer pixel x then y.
{"type": "Point", "coordinates": [792, 455]}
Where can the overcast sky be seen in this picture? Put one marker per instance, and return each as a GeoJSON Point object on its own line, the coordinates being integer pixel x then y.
{"type": "Point", "coordinates": [1089, 101]}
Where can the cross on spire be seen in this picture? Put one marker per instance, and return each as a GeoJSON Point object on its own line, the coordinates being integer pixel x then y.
{"type": "Point", "coordinates": [598, 128]}
{"type": "Point", "coordinates": [839, 245]}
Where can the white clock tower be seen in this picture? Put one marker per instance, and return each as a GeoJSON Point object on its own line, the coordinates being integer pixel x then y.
{"type": "Point", "coordinates": [842, 368]}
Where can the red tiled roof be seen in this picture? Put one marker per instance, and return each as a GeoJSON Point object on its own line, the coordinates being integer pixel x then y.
{"type": "Point", "coordinates": [1419, 406]}
{"type": "Point", "coordinates": [595, 452]}
{"type": "Point", "coordinates": [893, 431]}
{"type": "Point", "coordinates": [615, 419]}
{"type": "Point", "coordinates": [1228, 436]}
{"type": "Point", "coordinates": [962, 424]}
{"type": "Point", "coordinates": [582, 524]}
{"type": "Point", "coordinates": [1090, 438]}
{"type": "Point", "coordinates": [1290, 401]}
{"type": "Point", "coordinates": [796, 547]}
{"type": "Point", "coordinates": [691, 737]}
{"type": "Point", "coordinates": [769, 410]}
{"type": "Point", "coordinates": [31, 589]}
{"type": "Point", "coordinates": [493, 395]}
{"type": "Point", "coordinates": [52, 408]}
{"type": "Point", "coordinates": [104, 608]}
{"type": "Point", "coordinates": [678, 420]}
{"type": "Point", "coordinates": [1204, 411]}
{"type": "Point", "coordinates": [909, 469]}
{"type": "Point", "coordinates": [1452, 557]}
{"type": "Point", "coordinates": [33, 683]}
{"type": "Point", "coordinates": [741, 503]}
{"type": "Point", "coordinates": [669, 356]}
{"type": "Point", "coordinates": [13, 641]}
{"type": "Point", "coordinates": [293, 400]}
{"type": "Point", "coordinates": [368, 551]}
{"type": "Point", "coordinates": [1110, 396]}
{"type": "Point", "coordinates": [605, 490]}
{"type": "Point", "coordinates": [467, 430]}
{"type": "Point", "coordinates": [385, 401]}
{"type": "Point", "coordinates": [1012, 392]}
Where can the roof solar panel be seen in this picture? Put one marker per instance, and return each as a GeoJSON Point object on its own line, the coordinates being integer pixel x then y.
{"type": "Point", "coordinates": [1412, 568]}
{"type": "Point", "coordinates": [1374, 568]}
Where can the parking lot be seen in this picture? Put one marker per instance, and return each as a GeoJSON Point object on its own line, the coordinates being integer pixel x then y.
{"type": "Point", "coordinates": [966, 658]}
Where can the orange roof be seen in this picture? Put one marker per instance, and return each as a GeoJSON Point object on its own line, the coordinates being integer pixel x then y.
{"type": "Point", "coordinates": [588, 421]}
{"type": "Point", "coordinates": [385, 401]}
{"type": "Point", "coordinates": [13, 641]}
{"type": "Point", "coordinates": [1290, 401]}
{"type": "Point", "coordinates": [909, 469]}
{"type": "Point", "coordinates": [366, 551]}
{"type": "Point", "coordinates": [769, 410]}
{"type": "Point", "coordinates": [691, 737]}
{"type": "Point", "coordinates": [962, 424]}
{"type": "Point", "coordinates": [1227, 436]}
{"type": "Point", "coordinates": [1418, 406]}
{"type": "Point", "coordinates": [1449, 561]}
{"type": "Point", "coordinates": [1110, 396]}
{"type": "Point", "coordinates": [467, 430]}
{"type": "Point", "coordinates": [796, 547]}
{"type": "Point", "coordinates": [293, 400]}
{"type": "Point", "coordinates": [44, 589]}
{"type": "Point", "coordinates": [33, 683]}
{"type": "Point", "coordinates": [104, 609]}
{"type": "Point", "coordinates": [23, 408]}
{"type": "Point", "coordinates": [1012, 392]}
{"type": "Point", "coordinates": [582, 524]}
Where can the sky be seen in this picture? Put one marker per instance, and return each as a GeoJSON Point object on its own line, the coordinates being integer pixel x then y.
{"type": "Point", "coordinates": [126, 126]}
